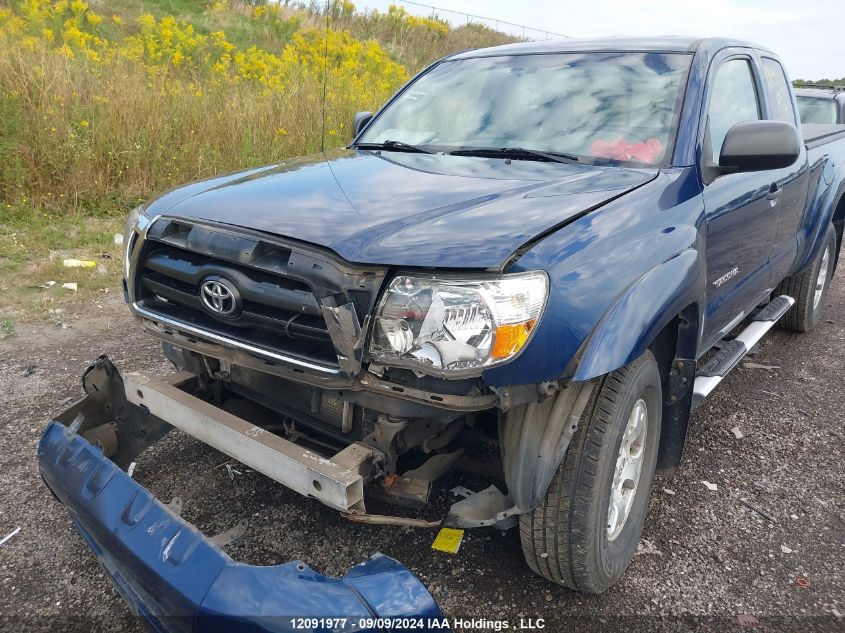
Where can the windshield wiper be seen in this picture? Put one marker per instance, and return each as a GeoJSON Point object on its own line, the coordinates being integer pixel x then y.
{"type": "Point", "coordinates": [395, 146]}
{"type": "Point", "coordinates": [516, 152]}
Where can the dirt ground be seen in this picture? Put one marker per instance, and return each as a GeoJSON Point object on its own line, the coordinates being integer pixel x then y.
{"type": "Point", "coordinates": [707, 562]}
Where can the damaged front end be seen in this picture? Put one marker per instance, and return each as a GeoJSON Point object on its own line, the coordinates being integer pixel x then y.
{"type": "Point", "coordinates": [169, 572]}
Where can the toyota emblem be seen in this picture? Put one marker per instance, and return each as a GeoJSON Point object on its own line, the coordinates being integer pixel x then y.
{"type": "Point", "coordinates": [220, 296]}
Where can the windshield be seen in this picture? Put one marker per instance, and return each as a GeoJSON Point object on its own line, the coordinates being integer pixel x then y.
{"type": "Point", "coordinates": [619, 106]}
{"type": "Point", "coordinates": [816, 110]}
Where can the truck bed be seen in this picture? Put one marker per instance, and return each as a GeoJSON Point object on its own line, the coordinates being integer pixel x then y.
{"type": "Point", "coordinates": [816, 134]}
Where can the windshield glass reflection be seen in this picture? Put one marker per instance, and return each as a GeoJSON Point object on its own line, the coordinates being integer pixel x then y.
{"type": "Point", "coordinates": [619, 106]}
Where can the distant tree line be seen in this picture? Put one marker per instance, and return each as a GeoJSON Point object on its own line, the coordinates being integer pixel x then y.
{"type": "Point", "coordinates": [819, 82]}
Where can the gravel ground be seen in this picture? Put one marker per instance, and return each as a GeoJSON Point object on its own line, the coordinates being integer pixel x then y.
{"type": "Point", "coordinates": [708, 562]}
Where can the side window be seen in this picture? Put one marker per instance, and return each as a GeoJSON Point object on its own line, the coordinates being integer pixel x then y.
{"type": "Point", "coordinates": [815, 110]}
{"type": "Point", "coordinates": [780, 96]}
{"type": "Point", "coordinates": [733, 100]}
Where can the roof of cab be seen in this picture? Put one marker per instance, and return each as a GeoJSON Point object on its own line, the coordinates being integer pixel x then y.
{"type": "Point", "coordinates": [667, 44]}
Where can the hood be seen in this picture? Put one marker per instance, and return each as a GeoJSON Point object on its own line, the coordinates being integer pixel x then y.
{"type": "Point", "coordinates": [404, 209]}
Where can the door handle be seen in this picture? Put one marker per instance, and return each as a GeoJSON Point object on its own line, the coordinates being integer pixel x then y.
{"type": "Point", "coordinates": [774, 193]}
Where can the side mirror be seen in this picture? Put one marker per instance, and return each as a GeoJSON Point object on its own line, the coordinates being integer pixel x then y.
{"type": "Point", "coordinates": [361, 119]}
{"type": "Point", "coordinates": [760, 145]}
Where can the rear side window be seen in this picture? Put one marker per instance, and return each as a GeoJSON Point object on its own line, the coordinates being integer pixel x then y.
{"type": "Point", "coordinates": [733, 100]}
{"type": "Point", "coordinates": [780, 96]}
{"type": "Point", "coordinates": [816, 110]}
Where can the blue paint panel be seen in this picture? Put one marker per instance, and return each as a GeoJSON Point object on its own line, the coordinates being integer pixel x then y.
{"type": "Point", "coordinates": [594, 263]}
{"type": "Point", "coordinates": [409, 210]}
{"type": "Point", "coordinates": [177, 579]}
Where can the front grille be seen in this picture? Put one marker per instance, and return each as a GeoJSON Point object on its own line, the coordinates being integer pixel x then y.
{"type": "Point", "coordinates": [277, 288]}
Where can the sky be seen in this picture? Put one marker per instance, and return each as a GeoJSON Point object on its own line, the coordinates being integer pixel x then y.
{"type": "Point", "coordinates": [808, 35]}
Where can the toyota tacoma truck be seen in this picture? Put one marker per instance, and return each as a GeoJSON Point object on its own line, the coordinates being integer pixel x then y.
{"type": "Point", "coordinates": [535, 260]}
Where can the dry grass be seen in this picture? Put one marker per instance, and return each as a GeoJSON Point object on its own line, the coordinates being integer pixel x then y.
{"type": "Point", "coordinates": [33, 247]}
{"type": "Point", "coordinates": [101, 110]}
{"type": "Point", "coordinates": [75, 136]}
{"type": "Point", "coordinates": [104, 104]}
{"type": "Point", "coordinates": [416, 42]}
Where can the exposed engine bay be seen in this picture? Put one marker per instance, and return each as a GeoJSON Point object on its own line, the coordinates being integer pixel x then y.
{"type": "Point", "coordinates": [399, 455]}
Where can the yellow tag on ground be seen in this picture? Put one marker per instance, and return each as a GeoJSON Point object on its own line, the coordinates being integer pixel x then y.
{"type": "Point", "coordinates": [448, 540]}
{"type": "Point", "coordinates": [79, 263]}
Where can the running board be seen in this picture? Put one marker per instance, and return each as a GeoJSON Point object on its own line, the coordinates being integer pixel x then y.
{"type": "Point", "coordinates": [733, 351]}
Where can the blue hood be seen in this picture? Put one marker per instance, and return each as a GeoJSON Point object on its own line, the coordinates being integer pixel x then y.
{"type": "Point", "coordinates": [405, 209]}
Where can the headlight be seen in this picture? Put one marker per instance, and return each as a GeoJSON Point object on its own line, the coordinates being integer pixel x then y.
{"type": "Point", "coordinates": [442, 326]}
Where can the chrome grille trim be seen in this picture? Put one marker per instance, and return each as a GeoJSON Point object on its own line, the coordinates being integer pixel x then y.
{"type": "Point", "coordinates": [223, 340]}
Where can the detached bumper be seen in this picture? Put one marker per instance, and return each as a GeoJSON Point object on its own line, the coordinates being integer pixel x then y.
{"type": "Point", "coordinates": [178, 579]}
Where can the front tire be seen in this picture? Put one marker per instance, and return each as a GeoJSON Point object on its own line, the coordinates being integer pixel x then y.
{"type": "Point", "coordinates": [585, 532]}
{"type": "Point", "coordinates": [809, 289]}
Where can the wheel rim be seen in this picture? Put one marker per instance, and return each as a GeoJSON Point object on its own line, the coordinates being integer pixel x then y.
{"type": "Point", "coordinates": [821, 280]}
{"type": "Point", "coordinates": [629, 467]}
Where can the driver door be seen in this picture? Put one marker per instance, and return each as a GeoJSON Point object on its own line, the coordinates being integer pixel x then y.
{"type": "Point", "coordinates": [740, 209]}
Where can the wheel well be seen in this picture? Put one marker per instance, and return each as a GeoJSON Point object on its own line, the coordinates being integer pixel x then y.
{"type": "Point", "coordinates": [674, 348]}
{"type": "Point", "coordinates": [838, 224]}
{"type": "Point", "coordinates": [664, 347]}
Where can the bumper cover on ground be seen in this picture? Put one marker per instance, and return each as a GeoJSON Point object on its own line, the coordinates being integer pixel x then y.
{"type": "Point", "coordinates": [177, 579]}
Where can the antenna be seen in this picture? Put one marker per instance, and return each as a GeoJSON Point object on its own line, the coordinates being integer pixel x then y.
{"type": "Point", "coordinates": [325, 83]}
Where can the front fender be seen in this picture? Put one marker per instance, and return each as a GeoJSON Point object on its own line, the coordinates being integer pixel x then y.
{"type": "Point", "coordinates": [631, 324]}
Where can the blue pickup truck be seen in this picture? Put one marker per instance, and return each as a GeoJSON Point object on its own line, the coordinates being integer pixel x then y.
{"type": "Point", "coordinates": [533, 261]}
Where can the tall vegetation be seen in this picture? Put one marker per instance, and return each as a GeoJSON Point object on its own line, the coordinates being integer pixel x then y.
{"type": "Point", "coordinates": [104, 103]}
{"type": "Point", "coordinates": [819, 82]}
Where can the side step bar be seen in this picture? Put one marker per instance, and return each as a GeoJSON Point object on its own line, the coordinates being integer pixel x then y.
{"type": "Point", "coordinates": [733, 351]}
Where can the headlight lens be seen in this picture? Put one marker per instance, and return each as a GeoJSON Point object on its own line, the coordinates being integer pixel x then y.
{"type": "Point", "coordinates": [456, 326]}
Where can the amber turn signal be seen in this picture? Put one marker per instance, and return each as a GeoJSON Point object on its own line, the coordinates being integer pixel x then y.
{"type": "Point", "coordinates": [510, 338]}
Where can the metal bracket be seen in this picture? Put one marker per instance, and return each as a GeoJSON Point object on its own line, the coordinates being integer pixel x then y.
{"type": "Point", "coordinates": [435, 466]}
{"type": "Point", "coordinates": [387, 429]}
{"type": "Point", "coordinates": [105, 403]}
{"type": "Point", "coordinates": [405, 491]}
{"type": "Point", "coordinates": [347, 334]}
{"type": "Point", "coordinates": [488, 507]}
{"type": "Point", "coordinates": [516, 395]}
{"type": "Point", "coordinates": [104, 437]}
{"type": "Point", "coordinates": [680, 380]}
{"type": "Point", "coordinates": [450, 402]}
{"type": "Point", "coordinates": [232, 534]}
{"type": "Point", "coordinates": [381, 519]}
{"type": "Point", "coordinates": [360, 458]}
